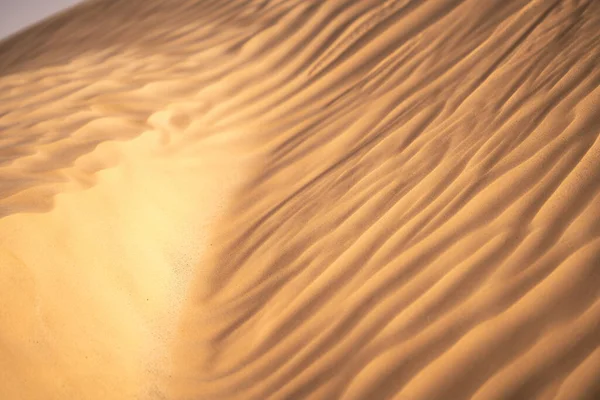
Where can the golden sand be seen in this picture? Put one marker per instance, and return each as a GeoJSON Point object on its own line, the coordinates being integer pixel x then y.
{"type": "Point", "coordinates": [302, 199]}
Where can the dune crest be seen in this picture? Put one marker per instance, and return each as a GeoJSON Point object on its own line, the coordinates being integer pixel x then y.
{"type": "Point", "coordinates": [269, 199]}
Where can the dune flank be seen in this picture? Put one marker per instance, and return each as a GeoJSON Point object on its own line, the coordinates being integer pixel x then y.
{"type": "Point", "coordinates": [302, 199]}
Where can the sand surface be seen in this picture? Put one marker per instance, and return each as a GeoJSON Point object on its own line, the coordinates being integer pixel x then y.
{"type": "Point", "coordinates": [302, 199]}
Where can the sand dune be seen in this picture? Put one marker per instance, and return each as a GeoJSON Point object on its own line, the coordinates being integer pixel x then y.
{"type": "Point", "coordinates": [288, 199]}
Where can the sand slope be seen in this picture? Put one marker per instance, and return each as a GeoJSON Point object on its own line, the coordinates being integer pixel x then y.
{"type": "Point", "coordinates": [302, 199]}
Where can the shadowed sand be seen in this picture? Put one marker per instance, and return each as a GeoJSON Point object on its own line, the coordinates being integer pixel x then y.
{"type": "Point", "coordinates": [263, 199]}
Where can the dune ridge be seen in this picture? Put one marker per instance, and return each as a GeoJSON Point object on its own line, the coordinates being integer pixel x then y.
{"type": "Point", "coordinates": [372, 200]}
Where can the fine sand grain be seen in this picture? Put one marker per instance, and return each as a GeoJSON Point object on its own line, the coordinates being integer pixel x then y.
{"type": "Point", "coordinates": [302, 199]}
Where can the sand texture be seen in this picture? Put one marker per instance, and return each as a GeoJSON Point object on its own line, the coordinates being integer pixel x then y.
{"type": "Point", "coordinates": [302, 199]}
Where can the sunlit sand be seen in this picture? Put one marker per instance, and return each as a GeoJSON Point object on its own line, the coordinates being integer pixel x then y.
{"type": "Point", "coordinates": [302, 199]}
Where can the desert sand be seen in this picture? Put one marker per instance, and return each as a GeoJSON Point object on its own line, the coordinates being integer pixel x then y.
{"type": "Point", "coordinates": [302, 199]}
